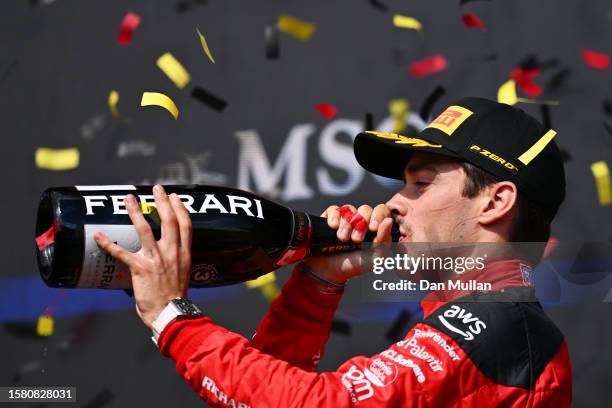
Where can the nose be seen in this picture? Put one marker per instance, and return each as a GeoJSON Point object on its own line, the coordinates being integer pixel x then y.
{"type": "Point", "coordinates": [397, 206]}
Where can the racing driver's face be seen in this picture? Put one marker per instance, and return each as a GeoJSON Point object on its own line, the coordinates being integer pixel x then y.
{"type": "Point", "coordinates": [431, 207]}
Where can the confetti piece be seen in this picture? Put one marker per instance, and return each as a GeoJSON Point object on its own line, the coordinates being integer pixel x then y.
{"type": "Point", "coordinates": [377, 4]}
{"type": "Point", "coordinates": [159, 99]}
{"type": "Point", "coordinates": [430, 102]}
{"type": "Point", "coordinates": [525, 80]}
{"type": "Point", "coordinates": [261, 281]}
{"type": "Point", "coordinates": [341, 326]}
{"type": "Point", "coordinates": [398, 108]}
{"type": "Point", "coordinates": [101, 399]}
{"type": "Point", "coordinates": [29, 367]}
{"type": "Point", "coordinates": [44, 327]}
{"type": "Point", "coordinates": [45, 239]}
{"type": "Point", "coordinates": [272, 43]}
{"type": "Point", "coordinates": [607, 107]}
{"type": "Point", "coordinates": [174, 70]}
{"type": "Point", "coordinates": [595, 59]}
{"type": "Point", "coordinates": [557, 79]}
{"type": "Point", "coordinates": [270, 291]}
{"type": "Point", "coordinates": [113, 100]}
{"type": "Point", "coordinates": [545, 111]}
{"type": "Point", "coordinates": [209, 99]}
{"type": "Point", "coordinates": [565, 156]}
{"type": "Point", "coordinates": [507, 94]}
{"type": "Point", "coordinates": [469, 1]}
{"type": "Point", "coordinates": [428, 66]}
{"type": "Point", "coordinates": [295, 27]}
{"type": "Point", "coordinates": [398, 327]}
{"type": "Point", "coordinates": [608, 128]}
{"type": "Point", "coordinates": [57, 159]}
{"type": "Point", "coordinates": [185, 5]}
{"type": "Point", "coordinates": [326, 110]}
{"type": "Point", "coordinates": [25, 330]}
{"type": "Point", "coordinates": [551, 245]}
{"type": "Point", "coordinates": [135, 148]}
{"type": "Point", "coordinates": [205, 46]}
{"type": "Point", "coordinates": [369, 121]}
{"type": "Point", "coordinates": [128, 26]}
{"type": "Point", "coordinates": [601, 172]}
{"type": "Point", "coordinates": [472, 21]}
{"type": "Point", "coordinates": [407, 22]}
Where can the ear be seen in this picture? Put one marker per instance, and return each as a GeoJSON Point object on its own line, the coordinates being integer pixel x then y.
{"type": "Point", "coordinates": [498, 202]}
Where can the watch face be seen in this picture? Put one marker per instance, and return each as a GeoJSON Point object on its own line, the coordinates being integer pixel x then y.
{"type": "Point", "coordinates": [186, 307]}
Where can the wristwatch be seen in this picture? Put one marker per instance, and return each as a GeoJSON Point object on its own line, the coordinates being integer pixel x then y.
{"type": "Point", "coordinates": [177, 307]}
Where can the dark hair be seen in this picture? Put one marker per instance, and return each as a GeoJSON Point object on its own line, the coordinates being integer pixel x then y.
{"type": "Point", "coordinates": [531, 223]}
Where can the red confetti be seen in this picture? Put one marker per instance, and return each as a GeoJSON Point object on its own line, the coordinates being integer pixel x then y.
{"type": "Point", "coordinates": [471, 20]}
{"type": "Point", "coordinates": [326, 110]}
{"type": "Point", "coordinates": [46, 239]}
{"type": "Point", "coordinates": [596, 59]}
{"type": "Point", "coordinates": [550, 246]}
{"type": "Point", "coordinates": [524, 79]}
{"type": "Point", "coordinates": [128, 26]}
{"type": "Point", "coordinates": [428, 66]}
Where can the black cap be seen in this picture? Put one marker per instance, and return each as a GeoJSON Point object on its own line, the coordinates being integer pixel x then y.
{"type": "Point", "coordinates": [495, 137]}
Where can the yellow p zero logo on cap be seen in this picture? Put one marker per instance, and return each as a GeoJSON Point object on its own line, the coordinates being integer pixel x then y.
{"type": "Point", "coordinates": [497, 159]}
{"type": "Point", "coordinates": [450, 119]}
{"type": "Point", "coordinates": [400, 139]}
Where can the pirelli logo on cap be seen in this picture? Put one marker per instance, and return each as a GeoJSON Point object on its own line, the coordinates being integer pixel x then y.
{"type": "Point", "coordinates": [450, 119]}
{"type": "Point", "coordinates": [400, 139]}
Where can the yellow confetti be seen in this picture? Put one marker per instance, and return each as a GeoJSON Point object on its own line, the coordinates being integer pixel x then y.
{"type": "Point", "coordinates": [398, 109]}
{"type": "Point", "coordinates": [159, 99]}
{"type": "Point", "coordinates": [601, 172]}
{"type": "Point", "coordinates": [270, 291]}
{"type": "Point", "coordinates": [507, 94]}
{"type": "Point", "coordinates": [261, 281]}
{"type": "Point", "coordinates": [302, 30]}
{"type": "Point", "coordinates": [174, 70]}
{"type": "Point", "coordinates": [57, 159]}
{"type": "Point", "coordinates": [45, 325]}
{"type": "Point", "coordinates": [407, 22]}
{"type": "Point", "coordinates": [205, 46]}
{"type": "Point", "coordinates": [150, 209]}
{"type": "Point", "coordinates": [113, 100]}
{"type": "Point", "coordinates": [147, 208]}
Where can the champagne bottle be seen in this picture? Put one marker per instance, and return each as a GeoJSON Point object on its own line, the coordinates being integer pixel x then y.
{"type": "Point", "coordinates": [237, 235]}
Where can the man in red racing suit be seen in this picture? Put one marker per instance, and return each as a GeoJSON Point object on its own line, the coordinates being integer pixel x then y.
{"type": "Point", "coordinates": [519, 359]}
{"type": "Point", "coordinates": [481, 172]}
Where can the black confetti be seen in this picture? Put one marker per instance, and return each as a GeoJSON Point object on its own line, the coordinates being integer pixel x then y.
{"type": "Point", "coordinates": [101, 399]}
{"type": "Point", "coordinates": [341, 326]}
{"type": "Point", "coordinates": [469, 1]}
{"type": "Point", "coordinates": [377, 4]}
{"type": "Point", "coordinates": [399, 327]}
{"type": "Point", "coordinates": [608, 129]}
{"type": "Point", "coordinates": [272, 42]}
{"type": "Point", "coordinates": [565, 156]}
{"type": "Point", "coordinates": [431, 101]}
{"type": "Point", "coordinates": [545, 111]}
{"type": "Point", "coordinates": [185, 5]}
{"type": "Point", "coordinates": [557, 79]}
{"type": "Point", "coordinates": [369, 121]}
{"type": "Point", "coordinates": [22, 330]}
{"type": "Point", "coordinates": [209, 99]}
{"type": "Point", "coordinates": [607, 107]}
